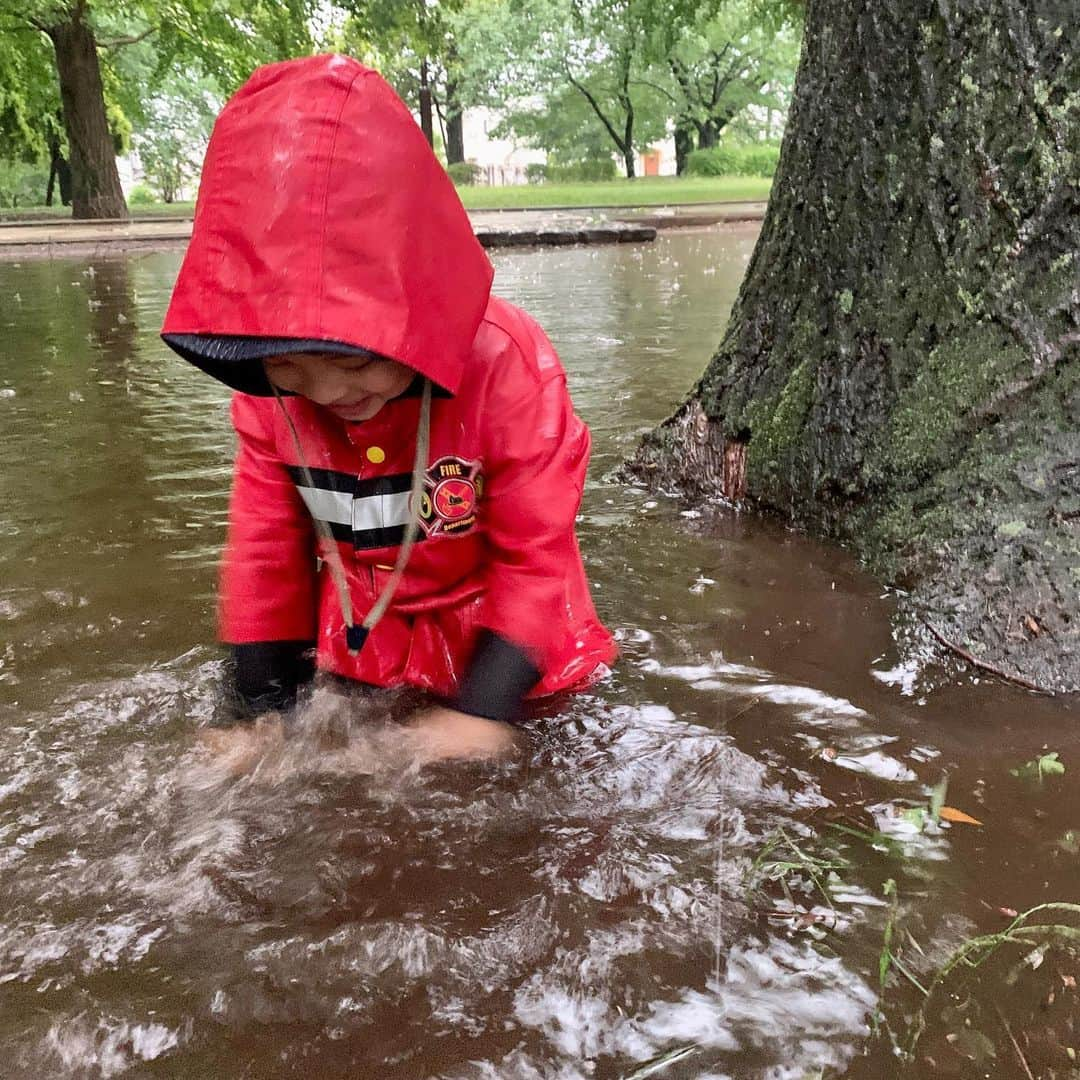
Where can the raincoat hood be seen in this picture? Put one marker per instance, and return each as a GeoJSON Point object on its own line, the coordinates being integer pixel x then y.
{"type": "Point", "coordinates": [324, 219]}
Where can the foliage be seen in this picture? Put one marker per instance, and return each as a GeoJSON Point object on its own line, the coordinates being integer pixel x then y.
{"type": "Point", "coordinates": [760, 160]}
{"type": "Point", "coordinates": [141, 44]}
{"type": "Point", "coordinates": [413, 44]}
{"type": "Point", "coordinates": [172, 139]}
{"type": "Point", "coordinates": [21, 184]}
{"type": "Point", "coordinates": [565, 126]}
{"type": "Point", "coordinates": [1039, 768]}
{"type": "Point", "coordinates": [725, 65]}
{"type": "Point", "coordinates": [142, 195]}
{"type": "Point", "coordinates": [29, 96]}
{"type": "Point", "coordinates": [589, 171]}
{"type": "Point", "coordinates": [532, 53]}
{"type": "Point", "coordinates": [622, 72]}
{"type": "Point", "coordinates": [464, 173]}
{"type": "Point", "coordinates": [536, 172]}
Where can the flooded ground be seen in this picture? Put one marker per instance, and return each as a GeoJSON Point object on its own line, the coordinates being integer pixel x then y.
{"type": "Point", "coordinates": [687, 876]}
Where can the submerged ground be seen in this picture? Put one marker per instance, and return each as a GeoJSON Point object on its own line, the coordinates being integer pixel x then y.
{"type": "Point", "coordinates": [693, 857]}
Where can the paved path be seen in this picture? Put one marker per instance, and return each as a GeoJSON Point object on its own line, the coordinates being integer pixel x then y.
{"type": "Point", "coordinates": [495, 228]}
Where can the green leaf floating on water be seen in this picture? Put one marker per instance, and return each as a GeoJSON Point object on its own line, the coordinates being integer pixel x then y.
{"type": "Point", "coordinates": [937, 797]}
{"type": "Point", "coordinates": [1040, 767]}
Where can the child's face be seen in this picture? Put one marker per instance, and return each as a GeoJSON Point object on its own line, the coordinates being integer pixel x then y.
{"type": "Point", "coordinates": [352, 387]}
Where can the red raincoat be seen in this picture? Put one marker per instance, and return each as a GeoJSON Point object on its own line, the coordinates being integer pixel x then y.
{"type": "Point", "coordinates": [323, 215]}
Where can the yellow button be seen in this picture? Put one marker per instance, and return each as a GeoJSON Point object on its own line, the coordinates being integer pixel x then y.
{"type": "Point", "coordinates": [376, 455]}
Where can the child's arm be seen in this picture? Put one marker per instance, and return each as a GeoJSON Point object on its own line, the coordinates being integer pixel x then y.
{"type": "Point", "coordinates": [536, 456]}
{"type": "Point", "coordinates": [267, 597]}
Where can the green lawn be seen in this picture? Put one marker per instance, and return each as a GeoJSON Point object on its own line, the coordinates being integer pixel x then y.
{"type": "Point", "coordinates": [44, 213]}
{"type": "Point", "coordinates": [651, 191]}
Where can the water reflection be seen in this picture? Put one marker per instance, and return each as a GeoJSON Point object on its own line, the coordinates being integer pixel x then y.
{"type": "Point", "coordinates": [336, 912]}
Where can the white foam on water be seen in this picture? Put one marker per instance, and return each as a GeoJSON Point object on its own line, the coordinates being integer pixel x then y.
{"type": "Point", "coordinates": [783, 995]}
{"type": "Point", "coordinates": [810, 706]}
{"type": "Point", "coordinates": [905, 676]}
{"type": "Point", "coordinates": [876, 764]}
{"type": "Point", "coordinates": [82, 1048]}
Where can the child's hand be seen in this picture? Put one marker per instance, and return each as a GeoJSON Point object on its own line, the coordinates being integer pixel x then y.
{"type": "Point", "coordinates": [442, 734]}
{"type": "Point", "coordinates": [242, 747]}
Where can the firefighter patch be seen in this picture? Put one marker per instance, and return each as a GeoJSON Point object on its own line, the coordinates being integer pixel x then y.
{"type": "Point", "coordinates": [452, 489]}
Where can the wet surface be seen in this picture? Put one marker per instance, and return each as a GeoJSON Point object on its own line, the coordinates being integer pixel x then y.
{"type": "Point", "coordinates": [689, 861]}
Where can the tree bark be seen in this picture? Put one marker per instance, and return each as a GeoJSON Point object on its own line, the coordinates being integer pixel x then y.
{"type": "Point", "coordinates": [708, 134]}
{"type": "Point", "coordinates": [684, 144]}
{"type": "Point", "coordinates": [51, 182]}
{"type": "Point", "coordinates": [96, 191]}
{"type": "Point", "coordinates": [427, 125]}
{"type": "Point", "coordinates": [902, 365]}
{"type": "Point", "coordinates": [59, 173]}
{"type": "Point", "coordinates": [455, 127]}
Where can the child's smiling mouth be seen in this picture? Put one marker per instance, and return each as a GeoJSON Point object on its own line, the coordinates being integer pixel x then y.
{"type": "Point", "coordinates": [352, 410]}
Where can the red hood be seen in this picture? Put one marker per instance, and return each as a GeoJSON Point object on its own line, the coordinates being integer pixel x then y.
{"type": "Point", "coordinates": [323, 214]}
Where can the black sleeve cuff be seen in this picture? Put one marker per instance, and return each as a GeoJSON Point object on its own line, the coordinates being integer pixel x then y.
{"type": "Point", "coordinates": [265, 676]}
{"type": "Point", "coordinates": [499, 676]}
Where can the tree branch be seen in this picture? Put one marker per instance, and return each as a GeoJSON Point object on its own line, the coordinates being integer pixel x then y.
{"type": "Point", "coordinates": [659, 89]}
{"type": "Point", "coordinates": [131, 39]}
{"type": "Point", "coordinates": [596, 109]}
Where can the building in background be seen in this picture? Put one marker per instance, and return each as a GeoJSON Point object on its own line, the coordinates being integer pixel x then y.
{"type": "Point", "coordinates": [501, 161]}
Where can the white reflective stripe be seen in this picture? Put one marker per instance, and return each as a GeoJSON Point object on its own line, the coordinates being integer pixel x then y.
{"type": "Point", "coordinates": [334, 506]}
{"type": "Point", "coordinates": [369, 512]}
{"type": "Point", "coordinates": [380, 511]}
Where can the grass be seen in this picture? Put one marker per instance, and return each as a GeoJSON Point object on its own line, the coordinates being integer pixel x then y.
{"type": "Point", "coordinates": [647, 191]}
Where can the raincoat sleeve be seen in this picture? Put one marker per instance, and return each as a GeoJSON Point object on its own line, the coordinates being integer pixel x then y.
{"type": "Point", "coordinates": [536, 455]}
{"type": "Point", "coordinates": [268, 581]}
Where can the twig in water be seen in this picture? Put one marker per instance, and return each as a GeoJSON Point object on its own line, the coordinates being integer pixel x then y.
{"type": "Point", "coordinates": [982, 665]}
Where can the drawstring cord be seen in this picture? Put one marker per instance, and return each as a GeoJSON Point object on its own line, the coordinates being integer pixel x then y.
{"type": "Point", "coordinates": [356, 635]}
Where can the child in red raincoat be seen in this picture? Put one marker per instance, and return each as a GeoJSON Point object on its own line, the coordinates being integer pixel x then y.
{"type": "Point", "coordinates": [409, 465]}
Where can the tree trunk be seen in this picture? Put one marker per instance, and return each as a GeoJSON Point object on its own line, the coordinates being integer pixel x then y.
{"type": "Point", "coordinates": [708, 134]}
{"type": "Point", "coordinates": [51, 183]}
{"type": "Point", "coordinates": [684, 143]}
{"type": "Point", "coordinates": [455, 128]}
{"type": "Point", "coordinates": [59, 173]}
{"type": "Point", "coordinates": [427, 125]}
{"type": "Point", "coordinates": [902, 366]}
{"type": "Point", "coordinates": [96, 191]}
{"type": "Point", "coordinates": [63, 175]}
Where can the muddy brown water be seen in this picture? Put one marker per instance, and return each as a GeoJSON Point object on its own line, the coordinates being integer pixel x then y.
{"type": "Point", "coordinates": [581, 913]}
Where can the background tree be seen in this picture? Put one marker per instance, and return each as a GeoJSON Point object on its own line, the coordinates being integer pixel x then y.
{"type": "Point", "coordinates": [563, 125]}
{"type": "Point", "coordinates": [722, 64]}
{"type": "Point", "coordinates": [31, 122]}
{"type": "Point", "coordinates": [412, 43]}
{"type": "Point", "coordinates": [223, 38]}
{"type": "Point", "coordinates": [523, 52]}
{"type": "Point", "coordinates": [901, 367]}
{"type": "Point", "coordinates": [174, 131]}
{"type": "Point", "coordinates": [95, 182]}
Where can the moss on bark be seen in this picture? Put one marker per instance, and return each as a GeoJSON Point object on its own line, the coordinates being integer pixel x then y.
{"type": "Point", "coordinates": [902, 360]}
